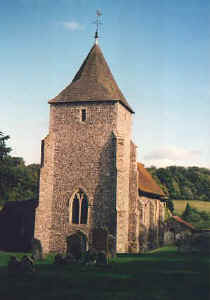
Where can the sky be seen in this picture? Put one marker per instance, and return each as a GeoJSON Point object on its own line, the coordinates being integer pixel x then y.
{"type": "Point", "coordinates": [159, 54]}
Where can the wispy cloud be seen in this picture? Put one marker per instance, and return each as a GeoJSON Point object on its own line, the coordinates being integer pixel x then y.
{"type": "Point", "coordinates": [172, 155]}
{"type": "Point", "coordinates": [73, 25]}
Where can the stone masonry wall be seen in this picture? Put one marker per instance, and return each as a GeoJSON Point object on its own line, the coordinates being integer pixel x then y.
{"type": "Point", "coordinates": [133, 245]}
{"type": "Point", "coordinates": [83, 155]}
{"type": "Point", "coordinates": [152, 215]}
{"type": "Point", "coordinates": [43, 212]}
{"type": "Point", "coordinates": [123, 137]}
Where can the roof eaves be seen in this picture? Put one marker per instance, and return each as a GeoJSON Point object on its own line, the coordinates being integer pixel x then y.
{"type": "Point", "coordinates": [54, 101]}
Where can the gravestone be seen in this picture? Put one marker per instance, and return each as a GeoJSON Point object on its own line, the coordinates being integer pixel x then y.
{"type": "Point", "coordinates": [27, 265]}
{"type": "Point", "coordinates": [76, 245]}
{"type": "Point", "coordinates": [111, 246]}
{"type": "Point", "coordinates": [36, 249]}
{"type": "Point", "coordinates": [90, 257]}
{"type": "Point", "coordinates": [58, 259]}
{"type": "Point", "coordinates": [99, 239]}
{"type": "Point", "coordinates": [101, 259]}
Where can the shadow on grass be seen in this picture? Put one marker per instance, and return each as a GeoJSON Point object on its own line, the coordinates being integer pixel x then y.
{"type": "Point", "coordinates": [163, 275]}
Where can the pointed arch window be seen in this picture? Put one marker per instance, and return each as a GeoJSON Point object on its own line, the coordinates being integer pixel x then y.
{"type": "Point", "coordinates": [79, 208]}
{"type": "Point", "coordinates": [75, 210]}
{"type": "Point", "coordinates": [83, 115]}
{"type": "Point", "coordinates": [84, 210]}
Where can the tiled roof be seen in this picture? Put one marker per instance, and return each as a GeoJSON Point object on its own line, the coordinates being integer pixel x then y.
{"type": "Point", "coordinates": [93, 82]}
{"type": "Point", "coordinates": [146, 183]}
{"type": "Point", "coordinates": [180, 220]}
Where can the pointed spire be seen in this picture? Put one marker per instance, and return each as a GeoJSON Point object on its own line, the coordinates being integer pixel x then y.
{"type": "Point", "coordinates": [93, 82]}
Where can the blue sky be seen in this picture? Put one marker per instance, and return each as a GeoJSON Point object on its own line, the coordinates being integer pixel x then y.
{"type": "Point", "coordinates": [159, 54]}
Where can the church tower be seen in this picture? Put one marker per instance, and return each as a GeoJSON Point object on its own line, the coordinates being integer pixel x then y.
{"type": "Point", "coordinates": [85, 162]}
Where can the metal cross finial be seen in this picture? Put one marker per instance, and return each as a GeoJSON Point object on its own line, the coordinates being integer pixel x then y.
{"type": "Point", "coordinates": [98, 23]}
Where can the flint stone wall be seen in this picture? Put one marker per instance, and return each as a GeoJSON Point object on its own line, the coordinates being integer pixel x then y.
{"type": "Point", "coordinates": [97, 156]}
{"type": "Point", "coordinates": [150, 226]}
{"type": "Point", "coordinates": [133, 243]}
{"type": "Point", "coordinates": [85, 155]}
{"type": "Point", "coordinates": [43, 219]}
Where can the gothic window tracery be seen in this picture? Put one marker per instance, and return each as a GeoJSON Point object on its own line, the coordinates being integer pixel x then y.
{"type": "Point", "coordinates": [79, 208]}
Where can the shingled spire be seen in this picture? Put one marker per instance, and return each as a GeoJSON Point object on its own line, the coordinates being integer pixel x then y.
{"type": "Point", "coordinates": [93, 82]}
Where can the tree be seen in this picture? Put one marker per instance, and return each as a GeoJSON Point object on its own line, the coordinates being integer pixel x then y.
{"type": "Point", "coordinates": [18, 182]}
{"type": "Point", "coordinates": [192, 183]}
{"type": "Point", "coordinates": [5, 174]}
{"type": "Point", "coordinates": [187, 212]}
{"type": "Point", "coordinates": [4, 150]}
{"type": "Point", "coordinates": [200, 219]}
{"type": "Point", "coordinates": [170, 205]}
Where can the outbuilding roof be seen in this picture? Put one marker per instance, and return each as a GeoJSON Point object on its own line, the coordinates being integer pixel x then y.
{"type": "Point", "coordinates": [93, 82]}
{"type": "Point", "coordinates": [146, 183]}
{"type": "Point", "coordinates": [185, 223]}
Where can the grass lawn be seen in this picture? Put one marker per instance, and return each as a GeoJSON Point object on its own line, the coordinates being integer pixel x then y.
{"type": "Point", "coordinates": [179, 205]}
{"type": "Point", "coordinates": [161, 274]}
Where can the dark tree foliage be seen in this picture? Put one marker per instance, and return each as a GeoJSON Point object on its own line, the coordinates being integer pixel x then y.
{"type": "Point", "coordinates": [187, 212]}
{"type": "Point", "coordinates": [170, 205]}
{"type": "Point", "coordinates": [18, 182]}
{"type": "Point", "coordinates": [4, 150]}
{"type": "Point", "coordinates": [200, 219]}
{"type": "Point", "coordinates": [180, 183]}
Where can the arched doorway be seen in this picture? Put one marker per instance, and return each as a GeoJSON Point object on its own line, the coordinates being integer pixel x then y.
{"type": "Point", "coordinates": [77, 244]}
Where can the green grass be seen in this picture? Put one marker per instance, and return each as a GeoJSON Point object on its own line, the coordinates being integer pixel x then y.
{"type": "Point", "coordinates": [161, 274]}
{"type": "Point", "coordinates": [179, 205]}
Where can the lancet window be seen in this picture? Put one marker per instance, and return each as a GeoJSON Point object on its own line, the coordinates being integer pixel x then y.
{"type": "Point", "coordinates": [83, 115]}
{"type": "Point", "coordinates": [79, 208]}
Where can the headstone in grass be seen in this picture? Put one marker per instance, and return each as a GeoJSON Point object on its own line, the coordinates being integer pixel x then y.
{"type": "Point", "coordinates": [99, 239]}
{"type": "Point", "coordinates": [89, 257]}
{"type": "Point", "coordinates": [111, 246]}
{"type": "Point", "coordinates": [69, 259]}
{"type": "Point", "coordinates": [92, 255]}
{"type": "Point", "coordinates": [36, 249]}
{"type": "Point", "coordinates": [76, 245]}
{"type": "Point", "coordinates": [27, 265]}
{"type": "Point", "coordinates": [59, 259]}
{"type": "Point", "coordinates": [102, 259]}
{"type": "Point", "coordinates": [183, 242]}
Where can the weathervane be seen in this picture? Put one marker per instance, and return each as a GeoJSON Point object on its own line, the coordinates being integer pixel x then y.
{"type": "Point", "coordinates": [98, 23]}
